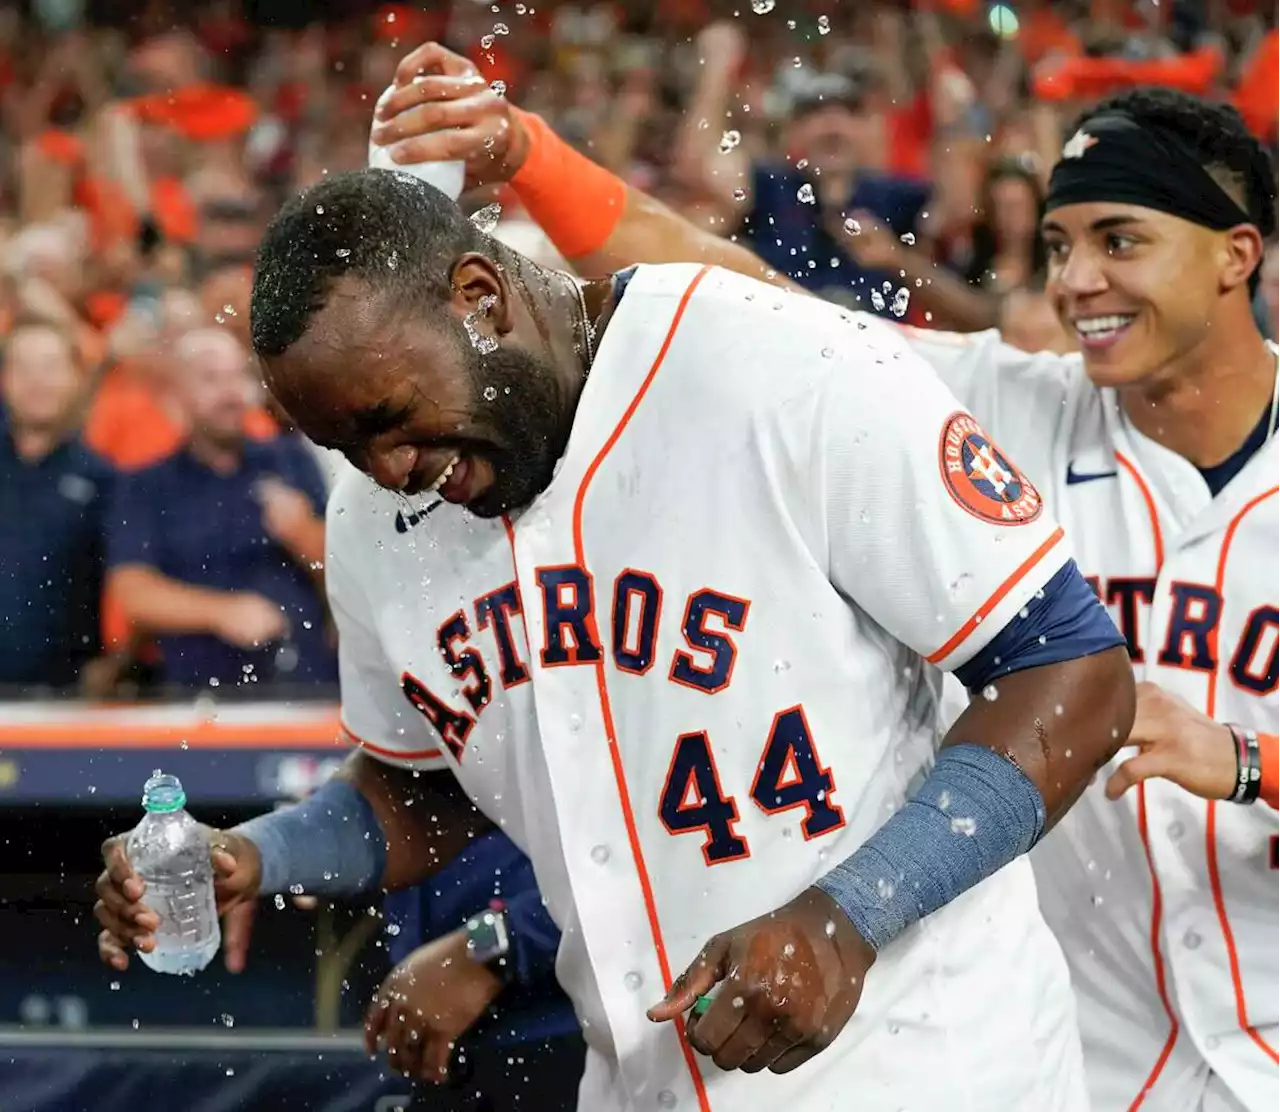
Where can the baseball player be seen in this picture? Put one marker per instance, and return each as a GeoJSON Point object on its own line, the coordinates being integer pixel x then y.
{"type": "Point", "coordinates": [1159, 440]}
{"type": "Point", "coordinates": [678, 635]}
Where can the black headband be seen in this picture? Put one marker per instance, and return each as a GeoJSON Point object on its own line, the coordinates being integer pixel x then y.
{"type": "Point", "coordinates": [1113, 158]}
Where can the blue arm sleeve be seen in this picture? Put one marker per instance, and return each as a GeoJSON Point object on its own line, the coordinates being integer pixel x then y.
{"type": "Point", "coordinates": [1063, 622]}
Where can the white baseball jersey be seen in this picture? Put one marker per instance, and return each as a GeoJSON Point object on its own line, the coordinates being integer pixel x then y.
{"type": "Point", "coordinates": [1165, 904]}
{"type": "Point", "coordinates": [700, 669]}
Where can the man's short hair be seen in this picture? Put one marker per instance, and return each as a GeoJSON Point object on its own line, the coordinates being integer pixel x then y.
{"type": "Point", "coordinates": [1228, 151]}
{"type": "Point", "coordinates": [386, 228]}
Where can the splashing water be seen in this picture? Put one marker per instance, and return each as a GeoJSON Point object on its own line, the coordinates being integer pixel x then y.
{"type": "Point", "coordinates": [909, 238]}
{"type": "Point", "coordinates": [499, 87]}
{"type": "Point", "coordinates": [877, 301]}
{"type": "Point", "coordinates": [486, 219]}
{"type": "Point", "coordinates": [901, 300]}
{"type": "Point", "coordinates": [852, 226]}
{"type": "Point", "coordinates": [805, 194]}
{"type": "Point", "coordinates": [824, 25]}
{"type": "Point", "coordinates": [729, 140]}
{"type": "Point", "coordinates": [763, 7]}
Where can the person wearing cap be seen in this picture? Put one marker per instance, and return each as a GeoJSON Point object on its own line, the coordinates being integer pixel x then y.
{"type": "Point", "coordinates": [797, 213]}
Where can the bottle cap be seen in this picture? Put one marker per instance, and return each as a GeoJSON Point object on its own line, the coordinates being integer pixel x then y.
{"type": "Point", "coordinates": [448, 177]}
{"type": "Point", "coordinates": [163, 794]}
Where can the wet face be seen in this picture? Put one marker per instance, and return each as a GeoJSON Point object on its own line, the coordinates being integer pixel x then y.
{"type": "Point", "coordinates": [412, 402]}
{"type": "Point", "coordinates": [40, 379]}
{"type": "Point", "coordinates": [1136, 288]}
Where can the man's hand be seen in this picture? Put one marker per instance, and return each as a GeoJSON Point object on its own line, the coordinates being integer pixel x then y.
{"type": "Point", "coordinates": [128, 923]}
{"type": "Point", "coordinates": [1175, 741]}
{"type": "Point", "coordinates": [249, 621]}
{"type": "Point", "coordinates": [443, 111]}
{"type": "Point", "coordinates": [286, 512]}
{"type": "Point", "coordinates": [426, 1004]}
{"type": "Point", "coordinates": [791, 980]}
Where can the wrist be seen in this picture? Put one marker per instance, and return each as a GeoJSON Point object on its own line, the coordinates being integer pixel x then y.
{"type": "Point", "coordinates": [518, 146]}
{"type": "Point", "coordinates": [1248, 767]}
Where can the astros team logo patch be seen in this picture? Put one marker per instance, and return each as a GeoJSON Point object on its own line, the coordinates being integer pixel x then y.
{"type": "Point", "coordinates": [981, 479]}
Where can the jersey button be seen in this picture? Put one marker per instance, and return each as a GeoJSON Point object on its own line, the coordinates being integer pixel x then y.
{"type": "Point", "coordinates": [633, 981]}
{"type": "Point", "coordinates": [599, 854]}
{"type": "Point", "coordinates": [667, 1099]}
{"type": "Point", "coordinates": [1175, 830]}
{"type": "Point", "coordinates": [1191, 940]}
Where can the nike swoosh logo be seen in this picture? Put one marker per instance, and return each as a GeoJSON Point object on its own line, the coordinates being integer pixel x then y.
{"type": "Point", "coordinates": [1074, 476]}
{"type": "Point", "coordinates": [405, 523]}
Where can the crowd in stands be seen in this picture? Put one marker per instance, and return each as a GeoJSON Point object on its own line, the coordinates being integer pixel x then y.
{"type": "Point", "coordinates": [163, 529]}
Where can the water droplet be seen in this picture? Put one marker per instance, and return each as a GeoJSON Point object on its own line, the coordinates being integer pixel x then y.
{"type": "Point", "coordinates": [830, 928]}
{"type": "Point", "coordinates": [805, 194]}
{"type": "Point", "coordinates": [885, 889]}
{"type": "Point", "coordinates": [499, 87]}
{"type": "Point", "coordinates": [184, 744]}
{"type": "Point", "coordinates": [780, 666]}
{"type": "Point", "coordinates": [739, 194]}
{"type": "Point", "coordinates": [486, 219]}
{"type": "Point", "coordinates": [279, 902]}
{"type": "Point", "coordinates": [343, 252]}
{"type": "Point", "coordinates": [319, 210]}
{"type": "Point", "coordinates": [827, 352]}
{"type": "Point", "coordinates": [728, 141]}
{"type": "Point", "coordinates": [296, 889]}
{"type": "Point", "coordinates": [135, 1024]}
{"type": "Point", "coordinates": [737, 1002]}
{"type": "Point", "coordinates": [228, 1020]}
{"type": "Point", "coordinates": [852, 227]}
{"type": "Point", "coordinates": [393, 929]}
{"type": "Point", "coordinates": [901, 300]}
{"type": "Point", "coordinates": [909, 238]}
{"type": "Point", "coordinates": [990, 693]}
{"type": "Point", "coordinates": [600, 854]}
{"type": "Point", "coordinates": [944, 800]}
{"type": "Point", "coordinates": [763, 7]}
{"type": "Point", "coordinates": [965, 826]}
{"type": "Point", "coordinates": [877, 301]}
{"type": "Point", "coordinates": [393, 260]}
{"type": "Point", "coordinates": [633, 981]}
{"type": "Point", "coordinates": [486, 43]}
{"type": "Point", "coordinates": [575, 722]}
{"type": "Point", "coordinates": [490, 392]}
{"type": "Point", "coordinates": [824, 25]}
{"type": "Point", "coordinates": [667, 1099]}
{"type": "Point", "coordinates": [788, 950]}
{"type": "Point", "coordinates": [115, 986]}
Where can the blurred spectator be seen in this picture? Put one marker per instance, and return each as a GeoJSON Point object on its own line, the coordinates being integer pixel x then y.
{"type": "Point", "coordinates": [1269, 293]}
{"type": "Point", "coordinates": [53, 493]}
{"type": "Point", "coordinates": [217, 551]}
{"type": "Point", "coordinates": [796, 213]}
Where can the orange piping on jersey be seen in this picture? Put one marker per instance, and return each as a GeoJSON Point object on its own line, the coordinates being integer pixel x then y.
{"type": "Point", "coordinates": [1157, 900]}
{"type": "Point", "coordinates": [958, 638]}
{"type": "Point", "coordinates": [1211, 808]}
{"type": "Point", "coordinates": [394, 754]}
{"type": "Point", "coordinates": [1267, 750]}
{"type": "Point", "coordinates": [606, 709]}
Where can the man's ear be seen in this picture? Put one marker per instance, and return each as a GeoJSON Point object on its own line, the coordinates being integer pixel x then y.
{"type": "Point", "coordinates": [1243, 249]}
{"type": "Point", "coordinates": [481, 292]}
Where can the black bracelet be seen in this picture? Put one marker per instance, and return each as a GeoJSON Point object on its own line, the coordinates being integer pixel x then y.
{"type": "Point", "coordinates": [1248, 765]}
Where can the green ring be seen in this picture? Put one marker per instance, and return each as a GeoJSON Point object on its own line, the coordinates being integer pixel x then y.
{"type": "Point", "coordinates": [702, 1004]}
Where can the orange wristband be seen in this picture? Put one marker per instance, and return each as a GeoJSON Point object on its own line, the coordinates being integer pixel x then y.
{"type": "Point", "coordinates": [577, 203]}
{"type": "Point", "coordinates": [1270, 770]}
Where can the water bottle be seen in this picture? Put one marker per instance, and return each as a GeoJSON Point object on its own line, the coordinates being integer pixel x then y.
{"type": "Point", "coordinates": [170, 854]}
{"type": "Point", "coordinates": [448, 177]}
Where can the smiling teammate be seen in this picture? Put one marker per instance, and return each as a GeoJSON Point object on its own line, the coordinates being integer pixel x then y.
{"type": "Point", "coordinates": [1160, 445]}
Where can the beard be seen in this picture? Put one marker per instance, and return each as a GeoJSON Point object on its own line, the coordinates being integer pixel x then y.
{"type": "Point", "coordinates": [518, 395]}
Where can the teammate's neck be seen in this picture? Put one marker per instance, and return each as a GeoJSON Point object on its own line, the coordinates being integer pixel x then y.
{"type": "Point", "coordinates": [1205, 407]}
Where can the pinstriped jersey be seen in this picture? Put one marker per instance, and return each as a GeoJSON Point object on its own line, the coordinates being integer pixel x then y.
{"type": "Point", "coordinates": [702, 668]}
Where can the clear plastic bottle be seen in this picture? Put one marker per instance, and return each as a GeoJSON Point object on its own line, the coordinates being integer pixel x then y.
{"type": "Point", "coordinates": [448, 177]}
{"type": "Point", "coordinates": [169, 852]}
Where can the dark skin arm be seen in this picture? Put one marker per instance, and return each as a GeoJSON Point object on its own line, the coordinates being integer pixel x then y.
{"type": "Point", "coordinates": [792, 979]}
{"type": "Point", "coordinates": [426, 820]}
